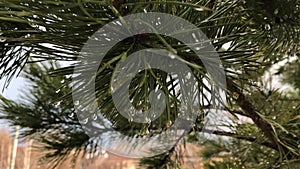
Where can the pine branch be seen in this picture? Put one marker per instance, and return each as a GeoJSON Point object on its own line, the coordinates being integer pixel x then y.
{"type": "Point", "coordinates": [261, 123]}
{"type": "Point", "coordinates": [237, 136]}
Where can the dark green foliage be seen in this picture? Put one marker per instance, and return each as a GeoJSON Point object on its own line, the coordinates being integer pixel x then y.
{"type": "Point", "coordinates": [257, 34]}
{"type": "Point", "coordinates": [252, 150]}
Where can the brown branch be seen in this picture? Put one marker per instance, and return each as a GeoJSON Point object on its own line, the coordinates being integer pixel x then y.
{"type": "Point", "coordinates": [249, 109]}
{"type": "Point", "coordinates": [239, 113]}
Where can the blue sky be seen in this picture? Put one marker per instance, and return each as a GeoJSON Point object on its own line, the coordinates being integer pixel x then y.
{"type": "Point", "coordinates": [13, 91]}
{"type": "Point", "coordinates": [16, 88]}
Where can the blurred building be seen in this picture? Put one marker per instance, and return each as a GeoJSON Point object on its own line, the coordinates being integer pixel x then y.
{"type": "Point", "coordinates": [28, 158]}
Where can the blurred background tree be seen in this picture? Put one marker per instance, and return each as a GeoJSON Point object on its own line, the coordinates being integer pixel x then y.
{"type": "Point", "coordinates": [249, 36]}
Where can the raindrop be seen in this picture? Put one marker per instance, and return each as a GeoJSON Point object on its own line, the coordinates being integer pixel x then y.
{"type": "Point", "coordinates": [267, 27]}
{"type": "Point", "coordinates": [84, 121]}
{"type": "Point", "coordinates": [159, 96]}
{"type": "Point", "coordinates": [189, 75]}
{"type": "Point", "coordinates": [62, 81]}
{"type": "Point", "coordinates": [95, 116]}
{"type": "Point", "coordinates": [172, 56]}
{"type": "Point", "coordinates": [57, 104]}
{"type": "Point", "coordinates": [276, 11]}
{"type": "Point", "coordinates": [76, 102]}
{"type": "Point", "coordinates": [274, 117]}
{"type": "Point", "coordinates": [68, 76]}
{"type": "Point", "coordinates": [57, 91]}
{"type": "Point", "coordinates": [71, 115]}
{"type": "Point", "coordinates": [2, 40]}
{"type": "Point", "coordinates": [199, 9]}
{"type": "Point", "coordinates": [148, 120]}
